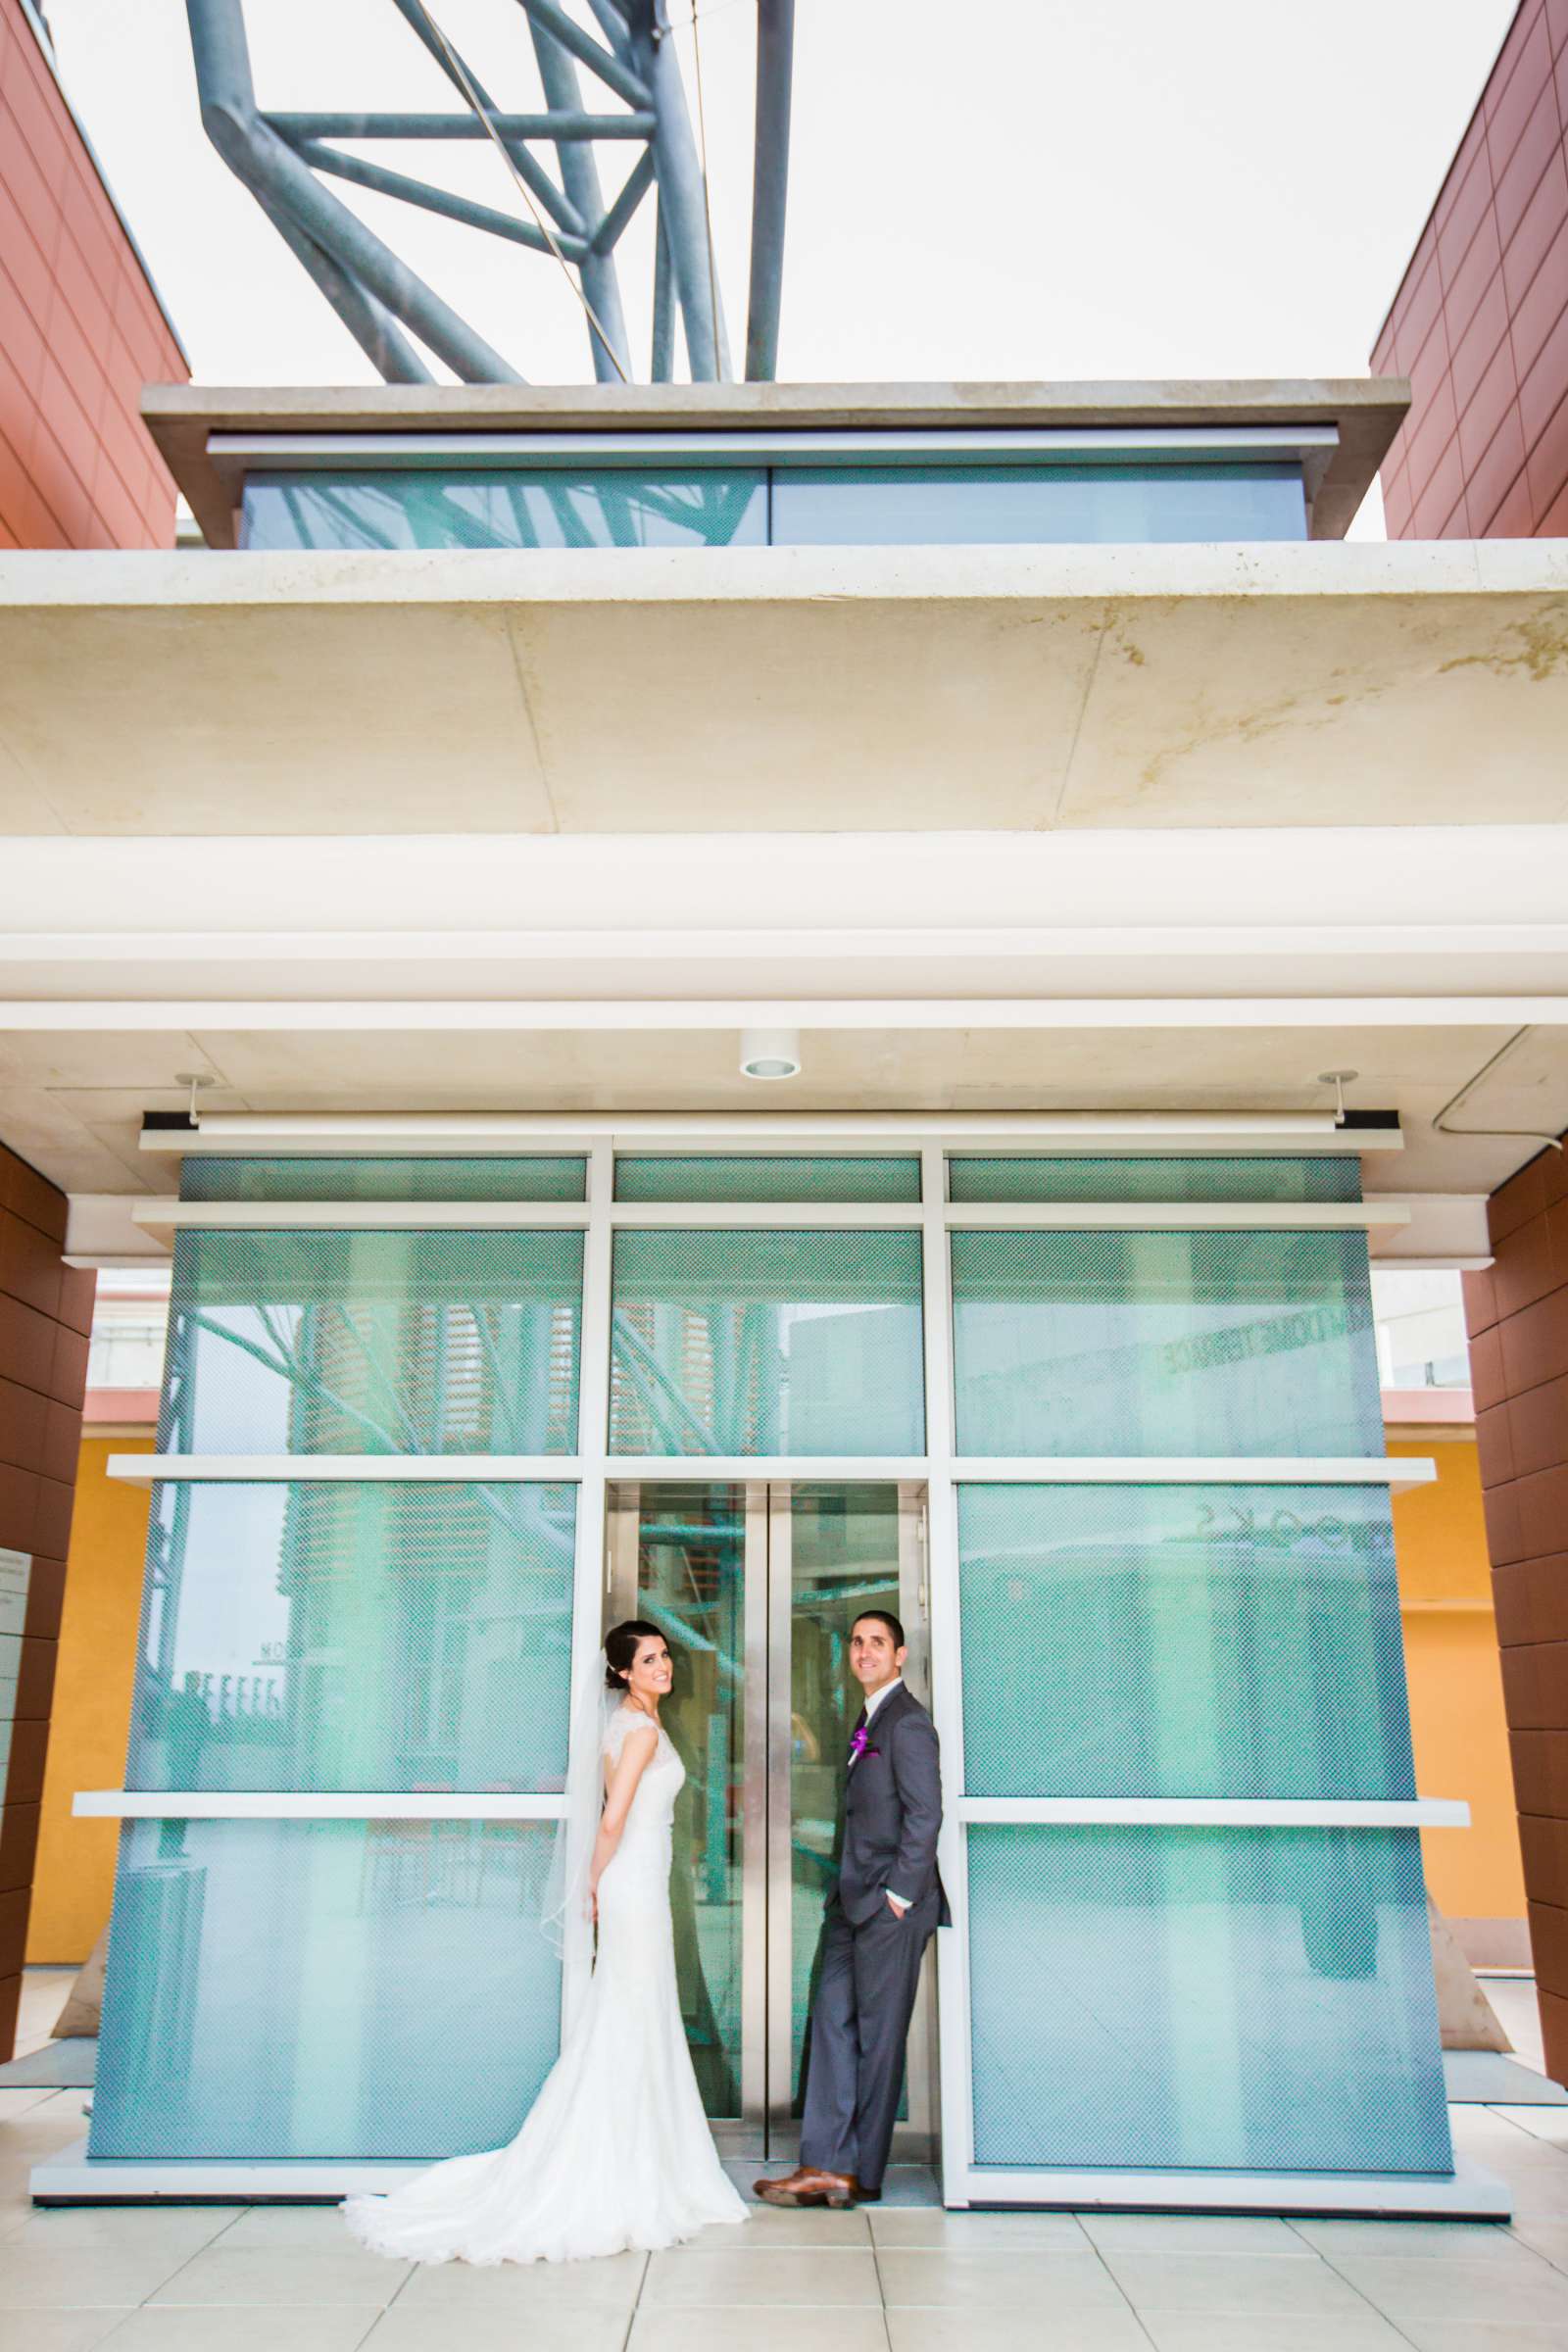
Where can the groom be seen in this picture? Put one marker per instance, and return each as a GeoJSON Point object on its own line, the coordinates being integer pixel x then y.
{"type": "Point", "coordinates": [881, 1917]}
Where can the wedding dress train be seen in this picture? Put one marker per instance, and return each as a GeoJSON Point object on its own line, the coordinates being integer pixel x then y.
{"type": "Point", "coordinates": [615, 2151]}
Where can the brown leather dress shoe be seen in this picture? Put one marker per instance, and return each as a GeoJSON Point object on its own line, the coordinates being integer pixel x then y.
{"type": "Point", "coordinates": [806, 2186]}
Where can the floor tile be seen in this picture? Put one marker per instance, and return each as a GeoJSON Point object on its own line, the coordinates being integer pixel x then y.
{"type": "Point", "coordinates": [1056, 2285]}
{"type": "Point", "coordinates": [525, 2287]}
{"type": "Point", "coordinates": [130, 2229]}
{"type": "Point", "coordinates": [299, 2328]}
{"type": "Point", "coordinates": [1191, 2233]}
{"type": "Point", "coordinates": [771, 2276]}
{"type": "Point", "coordinates": [583, 2327]}
{"type": "Point", "coordinates": [56, 2330]}
{"type": "Point", "coordinates": [1221, 2331]}
{"type": "Point", "coordinates": [1482, 2335]}
{"type": "Point", "coordinates": [1547, 2237]}
{"type": "Point", "coordinates": [1248, 2285]}
{"type": "Point", "coordinates": [44, 2276]}
{"type": "Point", "coordinates": [1506, 2147]}
{"type": "Point", "coordinates": [1550, 2123]}
{"type": "Point", "coordinates": [280, 2274]}
{"type": "Point", "coordinates": [1444, 2242]}
{"type": "Point", "coordinates": [782, 2226]}
{"type": "Point", "coordinates": [321, 2227]}
{"type": "Point", "coordinates": [1406, 2288]}
{"type": "Point", "coordinates": [1015, 2331]}
{"type": "Point", "coordinates": [731, 2328]}
{"type": "Point", "coordinates": [999, 2232]}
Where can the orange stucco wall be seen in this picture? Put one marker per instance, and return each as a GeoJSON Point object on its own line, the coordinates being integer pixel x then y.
{"type": "Point", "coordinates": [1456, 1712]}
{"type": "Point", "coordinates": [74, 1873]}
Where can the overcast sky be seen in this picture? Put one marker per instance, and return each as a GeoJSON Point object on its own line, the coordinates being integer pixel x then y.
{"type": "Point", "coordinates": [1005, 188]}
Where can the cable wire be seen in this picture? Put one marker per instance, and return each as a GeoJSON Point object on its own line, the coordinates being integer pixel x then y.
{"type": "Point", "coordinates": [708, 209]}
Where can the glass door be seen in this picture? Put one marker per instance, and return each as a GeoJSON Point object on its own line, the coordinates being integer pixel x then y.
{"type": "Point", "coordinates": [755, 1587]}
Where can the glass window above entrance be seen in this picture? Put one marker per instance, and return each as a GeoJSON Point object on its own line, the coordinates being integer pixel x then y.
{"type": "Point", "coordinates": [509, 508]}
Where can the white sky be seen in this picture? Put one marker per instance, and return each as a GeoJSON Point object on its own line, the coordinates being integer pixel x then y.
{"type": "Point", "coordinates": [1008, 188]}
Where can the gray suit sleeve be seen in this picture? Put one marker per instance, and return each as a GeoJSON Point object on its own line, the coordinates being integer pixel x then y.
{"type": "Point", "coordinates": [917, 1777]}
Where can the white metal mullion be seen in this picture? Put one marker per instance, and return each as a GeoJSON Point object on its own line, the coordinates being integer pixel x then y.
{"type": "Point", "coordinates": [270, 1804]}
{"type": "Point", "coordinates": [947, 1682]}
{"type": "Point", "coordinates": [1220, 1812]}
{"type": "Point", "coordinates": [560, 1469]}
{"type": "Point", "coordinates": [593, 1427]}
{"type": "Point", "coordinates": [1017, 1216]}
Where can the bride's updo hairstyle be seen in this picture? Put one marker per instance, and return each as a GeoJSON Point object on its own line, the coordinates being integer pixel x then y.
{"type": "Point", "coordinates": [621, 1648]}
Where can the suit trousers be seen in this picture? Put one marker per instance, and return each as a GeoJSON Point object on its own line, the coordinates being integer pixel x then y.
{"type": "Point", "coordinates": [859, 2028]}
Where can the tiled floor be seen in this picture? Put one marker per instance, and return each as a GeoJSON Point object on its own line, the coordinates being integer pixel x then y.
{"type": "Point", "coordinates": [900, 2278]}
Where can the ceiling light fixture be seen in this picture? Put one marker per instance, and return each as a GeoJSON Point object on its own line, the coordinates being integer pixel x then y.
{"type": "Point", "coordinates": [770, 1053]}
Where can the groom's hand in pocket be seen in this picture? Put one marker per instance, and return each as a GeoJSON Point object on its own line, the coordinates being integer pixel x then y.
{"type": "Point", "coordinates": [897, 1908]}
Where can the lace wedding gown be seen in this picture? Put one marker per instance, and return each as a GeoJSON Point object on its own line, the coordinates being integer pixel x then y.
{"type": "Point", "coordinates": [615, 2151]}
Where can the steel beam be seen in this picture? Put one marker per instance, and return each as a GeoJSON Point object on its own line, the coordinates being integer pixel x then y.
{"type": "Point", "coordinates": [607, 324]}
{"type": "Point", "coordinates": [559, 127]}
{"type": "Point", "coordinates": [771, 177]}
{"type": "Point", "coordinates": [271, 168]}
{"type": "Point", "coordinates": [372, 327]}
{"type": "Point", "coordinates": [683, 205]}
{"type": "Point", "coordinates": [385, 182]}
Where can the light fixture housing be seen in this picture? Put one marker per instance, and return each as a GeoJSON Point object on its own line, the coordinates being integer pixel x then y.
{"type": "Point", "coordinates": [770, 1053]}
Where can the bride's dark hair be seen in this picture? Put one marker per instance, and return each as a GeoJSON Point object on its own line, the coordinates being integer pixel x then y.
{"type": "Point", "coordinates": [621, 1648]}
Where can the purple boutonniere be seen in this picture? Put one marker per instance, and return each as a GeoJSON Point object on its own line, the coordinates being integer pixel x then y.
{"type": "Point", "coordinates": [859, 1747]}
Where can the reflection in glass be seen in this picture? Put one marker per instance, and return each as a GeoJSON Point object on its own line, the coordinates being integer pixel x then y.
{"type": "Point", "coordinates": [374, 1635]}
{"type": "Point", "coordinates": [1231, 1999]}
{"type": "Point", "coordinates": [766, 1342]}
{"type": "Point", "coordinates": [691, 1583]}
{"type": "Point", "coordinates": [844, 1551]}
{"type": "Point", "coordinates": [1084, 1176]}
{"type": "Point", "coordinates": [1174, 1344]}
{"type": "Point", "coordinates": [286, 1989]}
{"type": "Point", "coordinates": [767, 1176]}
{"type": "Point", "coordinates": [506, 508]}
{"type": "Point", "coordinates": [373, 1342]}
{"type": "Point", "coordinates": [1181, 1641]}
{"type": "Point", "coordinates": [938, 505]}
{"type": "Point", "coordinates": [406, 1176]}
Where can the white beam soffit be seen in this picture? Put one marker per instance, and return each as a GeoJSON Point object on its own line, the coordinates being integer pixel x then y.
{"type": "Point", "coordinates": [621, 1015]}
{"type": "Point", "coordinates": [1399, 1473]}
{"type": "Point", "coordinates": [1311, 684]}
{"type": "Point", "coordinates": [410, 1216]}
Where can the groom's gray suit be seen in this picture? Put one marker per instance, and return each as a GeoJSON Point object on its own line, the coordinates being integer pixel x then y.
{"type": "Point", "coordinates": [871, 1954]}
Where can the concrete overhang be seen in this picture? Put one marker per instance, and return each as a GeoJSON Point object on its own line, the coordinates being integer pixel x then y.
{"type": "Point", "coordinates": [785, 690]}
{"type": "Point", "coordinates": [189, 422]}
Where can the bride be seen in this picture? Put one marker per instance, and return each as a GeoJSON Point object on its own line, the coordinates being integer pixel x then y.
{"type": "Point", "coordinates": [615, 2151]}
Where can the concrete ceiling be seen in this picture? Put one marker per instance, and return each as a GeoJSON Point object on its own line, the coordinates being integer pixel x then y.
{"type": "Point", "coordinates": [789, 689]}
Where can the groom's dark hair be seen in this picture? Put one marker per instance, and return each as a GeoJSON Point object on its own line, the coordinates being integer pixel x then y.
{"type": "Point", "coordinates": [882, 1617]}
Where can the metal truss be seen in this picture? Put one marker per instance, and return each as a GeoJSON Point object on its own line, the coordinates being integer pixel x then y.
{"type": "Point", "coordinates": [637, 101]}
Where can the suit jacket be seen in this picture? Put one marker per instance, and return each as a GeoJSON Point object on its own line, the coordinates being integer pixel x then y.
{"type": "Point", "coordinates": [892, 1813]}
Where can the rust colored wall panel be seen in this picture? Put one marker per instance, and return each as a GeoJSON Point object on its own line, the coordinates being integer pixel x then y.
{"type": "Point", "coordinates": [81, 329]}
{"type": "Point", "coordinates": [1480, 321]}
{"type": "Point", "coordinates": [1519, 1329]}
{"type": "Point", "coordinates": [45, 1318]}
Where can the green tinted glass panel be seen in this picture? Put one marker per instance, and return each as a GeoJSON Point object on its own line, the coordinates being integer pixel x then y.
{"type": "Point", "coordinates": [536, 1177]}
{"type": "Point", "coordinates": [1224, 1999]}
{"type": "Point", "coordinates": [373, 1342]}
{"type": "Point", "coordinates": [1078, 1177]}
{"type": "Point", "coordinates": [691, 1571]}
{"type": "Point", "coordinates": [1181, 1641]}
{"type": "Point", "coordinates": [514, 507]}
{"type": "Point", "coordinates": [289, 1988]}
{"type": "Point", "coordinates": [766, 1342]}
{"type": "Point", "coordinates": [365, 1634]}
{"type": "Point", "coordinates": [1175, 1343]}
{"type": "Point", "coordinates": [886, 506]}
{"type": "Point", "coordinates": [754, 1176]}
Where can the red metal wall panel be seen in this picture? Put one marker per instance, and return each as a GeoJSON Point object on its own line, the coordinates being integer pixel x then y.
{"type": "Point", "coordinates": [81, 330]}
{"type": "Point", "coordinates": [1480, 322]}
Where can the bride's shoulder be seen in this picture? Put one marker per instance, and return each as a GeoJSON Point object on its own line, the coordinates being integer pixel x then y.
{"type": "Point", "coordinates": [624, 1720]}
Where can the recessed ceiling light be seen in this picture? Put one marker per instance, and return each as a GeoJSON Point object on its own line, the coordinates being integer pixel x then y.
{"type": "Point", "coordinates": [770, 1053]}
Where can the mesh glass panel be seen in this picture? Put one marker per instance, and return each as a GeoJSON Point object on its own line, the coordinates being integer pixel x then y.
{"type": "Point", "coordinates": [1233, 1999]}
{"type": "Point", "coordinates": [363, 1635]}
{"type": "Point", "coordinates": [752, 1176]}
{"type": "Point", "coordinates": [373, 1342]}
{"type": "Point", "coordinates": [509, 508]}
{"type": "Point", "coordinates": [324, 1988]}
{"type": "Point", "coordinates": [766, 1342]}
{"type": "Point", "coordinates": [536, 1177]}
{"type": "Point", "coordinates": [889, 506]}
{"type": "Point", "coordinates": [1077, 1177]}
{"type": "Point", "coordinates": [1177, 1344]}
{"type": "Point", "coordinates": [1181, 1641]}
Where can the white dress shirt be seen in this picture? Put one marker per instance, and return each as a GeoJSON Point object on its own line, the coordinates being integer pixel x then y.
{"type": "Point", "coordinates": [872, 1706]}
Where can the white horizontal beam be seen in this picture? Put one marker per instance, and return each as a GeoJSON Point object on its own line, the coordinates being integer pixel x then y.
{"type": "Point", "coordinates": [252, 1804]}
{"type": "Point", "coordinates": [373, 1216]}
{"type": "Point", "coordinates": [1217, 1812]}
{"type": "Point", "coordinates": [1467, 2193]}
{"type": "Point", "coordinates": [759, 1130]}
{"type": "Point", "coordinates": [548, 1469]}
{"type": "Point", "coordinates": [438, 1469]}
{"type": "Point", "coordinates": [643, 1016]}
{"type": "Point", "coordinates": [71, 2176]}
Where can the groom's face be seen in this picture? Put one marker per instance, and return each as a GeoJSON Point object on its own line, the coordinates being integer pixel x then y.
{"type": "Point", "coordinates": [873, 1657]}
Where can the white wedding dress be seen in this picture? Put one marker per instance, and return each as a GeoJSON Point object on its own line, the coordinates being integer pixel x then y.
{"type": "Point", "coordinates": [615, 2151]}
